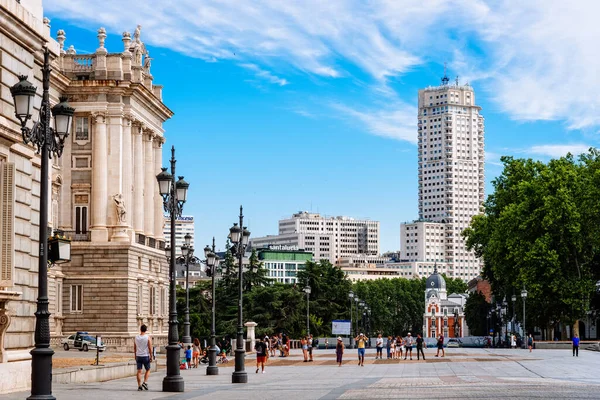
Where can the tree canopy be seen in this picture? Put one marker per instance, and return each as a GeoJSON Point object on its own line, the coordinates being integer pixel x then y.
{"type": "Point", "coordinates": [540, 231]}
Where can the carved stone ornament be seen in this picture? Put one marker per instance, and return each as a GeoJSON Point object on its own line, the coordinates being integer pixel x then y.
{"type": "Point", "coordinates": [121, 210]}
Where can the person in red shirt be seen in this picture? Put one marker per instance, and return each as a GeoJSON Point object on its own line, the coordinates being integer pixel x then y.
{"type": "Point", "coordinates": [440, 346]}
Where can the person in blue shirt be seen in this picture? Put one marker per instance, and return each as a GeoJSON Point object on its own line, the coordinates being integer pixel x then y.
{"type": "Point", "coordinates": [188, 357]}
{"type": "Point", "coordinates": [576, 346]}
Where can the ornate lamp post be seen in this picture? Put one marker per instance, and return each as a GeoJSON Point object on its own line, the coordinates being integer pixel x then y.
{"type": "Point", "coordinates": [524, 297]}
{"type": "Point", "coordinates": [514, 301]}
{"type": "Point", "coordinates": [499, 322]}
{"type": "Point", "coordinates": [361, 305]}
{"type": "Point", "coordinates": [212, 260]}
{"type": "Point", "coordinates": [505, 312]}
{"type": "Point", "coordinates": [187, 251]}
{"type": "Point", "coordinates": [49, 140]}
{"type": "Point", "coordinates": [307, 291]}
{"type": "Point", "coordinates": [239, 238]}
{"type": "Point", "coordinates": [174, 196]}
{"type": "Point", "coordinates": [351, 297]}
{"type": "Point", "coordinates": [356, 304]}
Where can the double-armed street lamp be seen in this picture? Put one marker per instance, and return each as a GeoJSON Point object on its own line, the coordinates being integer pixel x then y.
{"type": "Point", "coordinates": [174, 196]}
{"type": "Point", "coordinates": [307, 291]}
{"type": "Point", "coordinates": [239, 237]}
{"type": "Point", "coordinates": [49, 141]}
{"type": "Point", "coordinates": [212, 261]}
{"type": "Point", "coordinates": [187, 251]}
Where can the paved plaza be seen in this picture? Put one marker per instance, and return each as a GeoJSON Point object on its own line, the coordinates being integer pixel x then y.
{"type": "Point", "coordinates": [462, 374]}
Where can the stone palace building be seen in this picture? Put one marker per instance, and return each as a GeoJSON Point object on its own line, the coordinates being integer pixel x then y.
{"type": "Point", "coordinates": [103, 193]}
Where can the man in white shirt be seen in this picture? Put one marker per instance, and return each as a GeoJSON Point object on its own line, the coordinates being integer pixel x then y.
{"type": "Point", "coordinates": [379, 346]}
{"type": "Point", "coordinates": [142, 348]}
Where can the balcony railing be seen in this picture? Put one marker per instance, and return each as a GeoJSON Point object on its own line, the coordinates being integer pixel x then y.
{"type": "Point", "coordinates": [79, 237]}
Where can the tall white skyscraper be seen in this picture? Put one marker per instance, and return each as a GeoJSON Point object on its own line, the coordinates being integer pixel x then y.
{"type": "Point", "coordinates": [451, 181]}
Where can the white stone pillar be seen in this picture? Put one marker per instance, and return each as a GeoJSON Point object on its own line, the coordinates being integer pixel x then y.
{"type": "Point", "coordinates": [149, 185]}
{"type": "Point", "coordinates": [251, 336]}
{"type": "Point", "coordinates": [127, 172]}
{"type": "Point", "coordinates": [138, 183]}
{"type": "Point", "coordinates": [99, 180]}
{"type": "Point", "coordinates": [159, 221]}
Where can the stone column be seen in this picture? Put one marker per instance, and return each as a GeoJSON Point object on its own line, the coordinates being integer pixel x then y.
{"type": "Point", "coordinates": [99, 179]}
{"type": "Point", "coordinates": [159, 221]}
{"type": "Point", "coordinates": [127, 171]}
{"type": "Point", "coordinates": [138, 184]}
{"type": "Point", "coordinates": [149, 184]}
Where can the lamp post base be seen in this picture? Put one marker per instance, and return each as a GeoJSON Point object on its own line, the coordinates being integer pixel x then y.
{"type": "Point", "coordinates": [212, 370]}
{"type": "Point", "coordinates": [41, 366]}
{"type": "Point", "coordinates": [173, 384]}
{"type": "Point", "coordinates": [239, 377]}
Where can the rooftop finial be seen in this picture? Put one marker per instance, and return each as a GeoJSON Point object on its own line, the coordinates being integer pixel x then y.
{"type": "Point", "coordinates": [435, 271]}
{"type": "Point", "coordinates": [456, 80]}
{"type": "Point", "coordinates": [445, 79]}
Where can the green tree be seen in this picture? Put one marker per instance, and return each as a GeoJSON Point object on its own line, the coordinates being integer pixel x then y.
{"type": "Point", "coordinates": [476, 314]}
{"type": "Point", "coordinates": [256, 274]}
{"type": "Point", "coordinates": [540, 230]}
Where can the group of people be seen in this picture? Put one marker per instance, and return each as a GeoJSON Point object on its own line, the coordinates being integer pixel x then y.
{"type": "Point", "coordinates": [194, 354]}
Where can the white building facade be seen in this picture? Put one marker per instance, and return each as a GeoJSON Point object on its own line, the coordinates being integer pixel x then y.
{"type": "Point", "coordinates": [451, 182]}
{"type": "Point", "coordinates": [329, 238]}
{"type": "Point", "coordinates": [183, 225]}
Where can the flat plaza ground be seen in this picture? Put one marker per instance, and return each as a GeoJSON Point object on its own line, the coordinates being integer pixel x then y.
{"type": "Point", "coordinates": [462, 374]}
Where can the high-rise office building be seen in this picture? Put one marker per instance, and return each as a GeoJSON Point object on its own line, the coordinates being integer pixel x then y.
{"type": "Point", "coordinates": [183, 226]}
{"type": "Point", "coordinates": [451, 182]}
{"type": "Point", "coordinates": [329, 238]}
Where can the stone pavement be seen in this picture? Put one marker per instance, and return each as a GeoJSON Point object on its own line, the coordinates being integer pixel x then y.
{"type": "Point", "coordinates": [463, 373]}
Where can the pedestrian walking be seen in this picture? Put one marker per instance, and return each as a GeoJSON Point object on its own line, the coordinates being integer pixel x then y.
{"type": "Point", "coordinates": [142, 348]}
{"type": "Point", "coordinates": [188, 357]}
{"type": "Point", "coordinates": [326, 344]}
{"type": "Point", "coordinates": [530, 342]}
{"type": "Point", "coordinates": [440, 346]}
{"type": "Point", "coordinates": [576, 346]}
{"type": "Point", "coordinates": [408, 345]}
{"type": "Point", "coordinates": [339, 351]}
{"type": "Point", "coordinates": [361, 341]}
{"type": "Point", "coordinates": [196, 353]}
{"type": "Point", "coordinates": [420, 343]}
{"type": "Point", "coordinates": [379, 346]}
{"type": "Point", "coordinates": [261, 355]}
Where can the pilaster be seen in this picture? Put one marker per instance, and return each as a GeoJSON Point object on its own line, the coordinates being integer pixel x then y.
{"type": "Point", "coordinates": [138, 173]}
{"type": "Point", "coordinates": [158, 203]}
{"type": "Point", "coordinates": [150, 184]}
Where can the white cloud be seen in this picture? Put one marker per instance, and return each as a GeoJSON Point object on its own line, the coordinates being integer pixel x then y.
{"type": "Point", "coordinates": [398, 122]}
{"type": "Point", "coordinates": [261, 73]}
{"type": "Point", "coordinates": [558, 150]}
{"type": "Point", "coordinates": [536, 59]}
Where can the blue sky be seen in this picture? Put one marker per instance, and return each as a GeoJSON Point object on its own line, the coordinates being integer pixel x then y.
{"type": "Point", "coordinates": [288, 106]}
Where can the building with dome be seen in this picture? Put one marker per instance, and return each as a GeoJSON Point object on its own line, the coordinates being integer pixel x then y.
{"type": "Point", "coordinates": [444, 315]}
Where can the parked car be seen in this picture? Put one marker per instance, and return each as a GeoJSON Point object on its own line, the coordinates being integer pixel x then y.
{"type": "Point", "coordinates": [453, 342]}
{"type": "Point", "coordinates": [82, 341]}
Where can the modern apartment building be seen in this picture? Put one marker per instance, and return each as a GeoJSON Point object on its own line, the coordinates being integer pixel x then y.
{"type": "Point", "coordinates": [183, 226]}
{"type": "Point", "coordinates": [329, 238]}
{"type": "Point", "coordinates": [451, 181]}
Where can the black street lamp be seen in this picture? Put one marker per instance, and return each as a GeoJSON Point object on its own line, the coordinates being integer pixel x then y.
{"type": "Point", "coordinates": [307, 291]}
{"type": "Point", "coordinates": [187, 251]}
{"type": "Point", "coordinates": [212, 260]}
{"type": "Point", "coordinates": [514, 301]}
{"type": "Point", "coordinates": [357, 305]}
{"type": "Point", "coordinates": [49, 140]}
{"type": "Point", "coordinates": [524, 297]}
{"type": "Point", "coordinates": [351, 297]}
{"type": "Point", "coordinates": [505, 313]}
{"type": "Point", "coordinates": [239, 237]}
{"type": "Point", "coordinates": [174, 196]}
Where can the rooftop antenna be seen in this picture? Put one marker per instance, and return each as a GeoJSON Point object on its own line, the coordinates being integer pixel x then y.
{"type": "Point", "coordinates": [445, 79]}
{"type": "Point", "coordinates": [456, 80]}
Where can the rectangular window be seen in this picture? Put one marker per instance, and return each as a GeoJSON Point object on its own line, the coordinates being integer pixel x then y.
{"type": "Point", "coordinates": [76, 298]}
{"type": "Point", "coordinates": [152, 300]}
{"type": "Point", "coordinates": [7, 222]}
{"type": "Point", "coordinates": [81, 218]}
{"type": "Point", "coordinates": [82, 129]}
{"type": "Point", "coordinates": [59, 298]}
{"type": "Point", "coordinates": [140, 299]}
